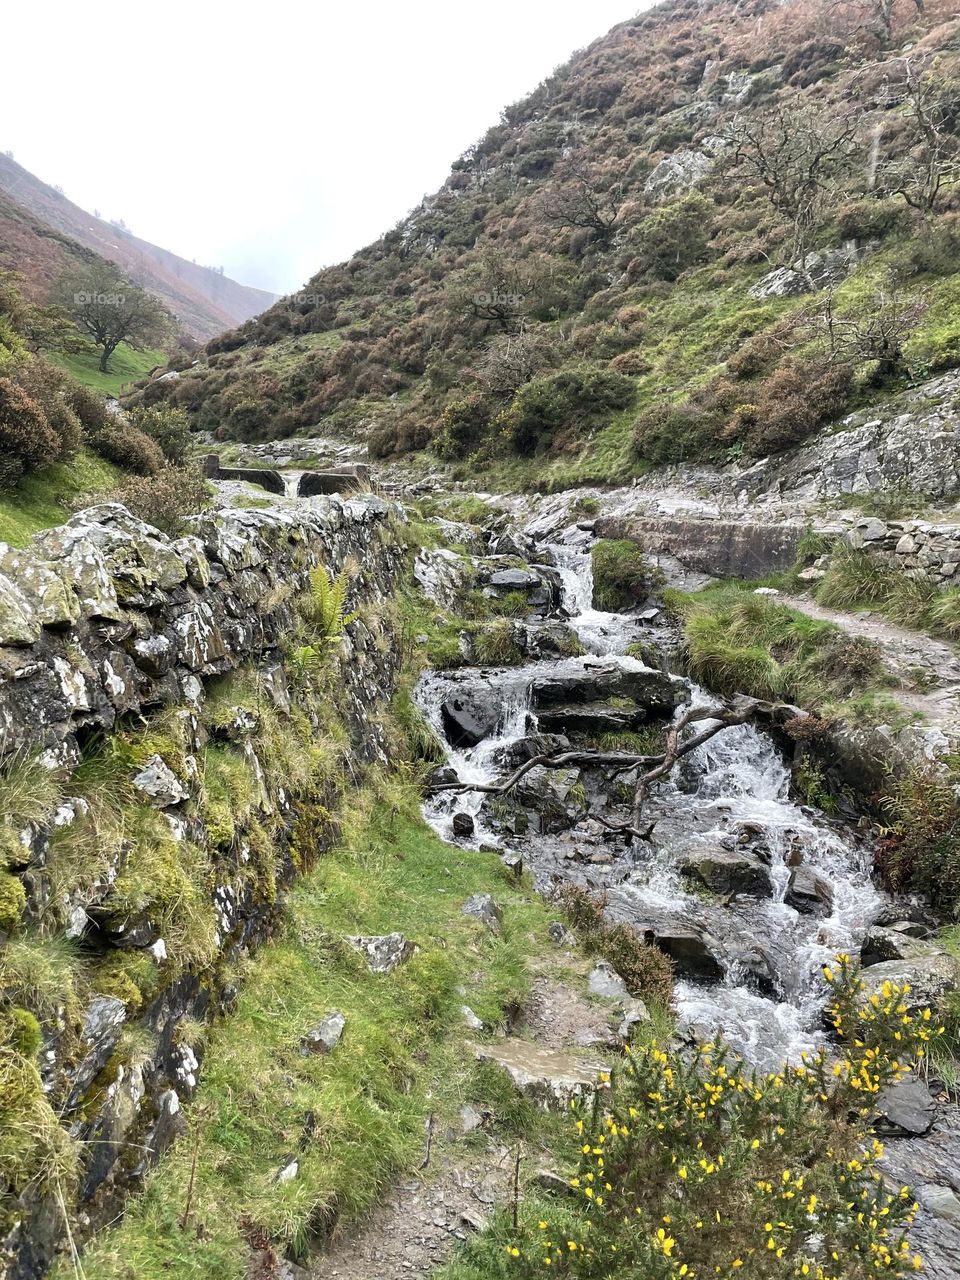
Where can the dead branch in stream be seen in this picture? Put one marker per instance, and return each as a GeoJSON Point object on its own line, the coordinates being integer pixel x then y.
{"type": "Point", "coordinates": [655, 767]}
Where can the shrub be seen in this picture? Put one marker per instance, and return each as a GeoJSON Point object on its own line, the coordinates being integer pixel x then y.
{"type": "Point", "coordinates": [463, 425]}
{"type": "Point", "coordinates": [90, 408]}
{"type": "Point", "coordinates": [167, 427]}
{"type": "Point", "coordinates": [27, 441]}
{"type": "Point", "coordinates": [166, 498]}
{"type": "Point", "coordinates": [693, 1164]}
{"type": "Point", "coordinates": [920, 852]}
{"type": "Point", "coordinates": [129, 448]}
{"type": "Point", "coordinates": [567, 399]}
{"type": "Point", "coordinates": [49, 388]}
{"type": "Point", "coordinates": [647, 972]}
{"type": "Point", "coordinates": [674, 237]}
{"type": "Point", "coordinates": [622, 575]}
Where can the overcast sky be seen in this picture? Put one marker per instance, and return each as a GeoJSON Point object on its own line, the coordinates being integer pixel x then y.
{"type": "Point", "coordinates": [271, 138]}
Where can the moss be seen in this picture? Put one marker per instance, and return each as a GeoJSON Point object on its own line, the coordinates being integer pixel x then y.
{"type": "Point", "coordinates": [130, 976]}
{"type": "Point", "coordinates": [23, 1034]}
{"type": "Point", "coordinates": [13, 902]}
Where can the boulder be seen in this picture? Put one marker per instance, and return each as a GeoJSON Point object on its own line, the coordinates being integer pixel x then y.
{"type": "Point", "coordinates": [470, 714]}
{"type": "Point", "coordinates": [463, 825]}
{"type": "Point", "coordinates": [692, 950]}
{"type": "Point", "coordinates": [930, 978]}
{"type": "Point", "coordinates": [729, 871]}
{"type": "Point", "coordinates": [905, 1108]}
{"type": "Point", "coordinates": [384, 952]}
{"type": "Point", "coordinates": [888, 943]}
{"type": "Point", "coordinates": [560, 934]}
{"type": "Point", "coordinates": [483, 907]}
{"type": "Point", "coordinates": [549, 1078]}
{"type": "Point", "coordinates": [325, 1036]}
{"type": "Point", "coordinates": [579, 682]}
{"type": "Point", "coordinates": [808, 892]}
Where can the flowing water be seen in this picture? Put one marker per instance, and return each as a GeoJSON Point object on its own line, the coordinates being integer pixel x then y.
{"type": "Point", "coordinates": [736, 782]}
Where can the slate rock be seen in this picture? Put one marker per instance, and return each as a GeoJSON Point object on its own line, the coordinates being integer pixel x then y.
{"type": "Point", "coordinates": [384, 952]}
{"type": "Point", "coordinates": [485, 908]}
{"type": "Point", "coordinates": [325, 1036]}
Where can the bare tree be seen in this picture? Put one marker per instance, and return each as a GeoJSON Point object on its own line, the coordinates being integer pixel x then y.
{"type": "Point", "coordinates": [652, 768]}
{"type": "Point", "coordinates": [877, 16]}
{"type": "Point", "coordinates": [583, 200]}
{"type": "Point", "coordinates": [503, 289]}
{"type": "Point", "coordinates": [875, 331]}
{"type": "Point", "coordinates": [799, 155]}
{"type": "Point", "coordinates": [928, 158]}
{"type": "Point", "coordinates": [510, 360]}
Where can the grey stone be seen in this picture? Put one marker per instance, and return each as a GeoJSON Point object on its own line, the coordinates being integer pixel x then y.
{"type": "Point", "coordinates": [905, 1108]}
{"type": "Point", "coordinates": [483, 907]}
{"type": "Point", "coordinates": [808, 892]}
{"type": "Point", "coordinates": [605, 981]}
{"type": "Point", "coordinates": [384, 952]}
{"type": "Point", "coordinates": [729, 871]}
{"type": "Point", "coordinates": [463, 825]}
{"type": "Point", "coordinates": [550, 1078]}
{"type": "Point", "coordinates": [159, 784]}
{"type": "Point", "coordinates": [941, 1202]}
{"type": "Point", "coordinates": [560, 934]}
{"type": "Point", "coordinates": [325, 1036]}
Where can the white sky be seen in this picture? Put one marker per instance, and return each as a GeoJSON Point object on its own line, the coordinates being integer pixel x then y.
{"type": "Point", "coordinates": [271, 138]}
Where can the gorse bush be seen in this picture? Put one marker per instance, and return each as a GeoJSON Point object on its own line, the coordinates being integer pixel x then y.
{"type": "Point", "coordinates": [548, 413]}
{"type": "Point", "coordinates": [693, 1165]}
{"type": "Point", "coordinates": [647, 972]}
{"type": "Point", "coordinates": [165, 499]}
{"type": "Point", "coordinates": [27, 440]}
{"type": "Point", "coordinates": [129, 448]}
{"type": "Point", "coordinates": [167, 427]}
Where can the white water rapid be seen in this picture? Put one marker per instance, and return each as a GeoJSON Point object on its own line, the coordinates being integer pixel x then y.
{"type": "Point", "coordinates": [768, 1001]}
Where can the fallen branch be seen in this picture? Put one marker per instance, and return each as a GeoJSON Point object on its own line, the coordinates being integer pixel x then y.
{"type": "Point", "coordinates": [654, 767]}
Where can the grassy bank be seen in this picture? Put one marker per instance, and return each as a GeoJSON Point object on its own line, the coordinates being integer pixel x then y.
{"type": "Point", "coordinates": [355, 1118]}
{"type": "Point", "coordinates": [47, 497]}
{"type": "Point", "coordinates": [741, 642]}
{"type": "Point", "coordinates": [855, 580]}
{"type": "Point", "coordinates": [126, 367]}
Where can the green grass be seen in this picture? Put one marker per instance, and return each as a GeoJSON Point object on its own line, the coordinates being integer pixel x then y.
{"type": "Point", "coordinates": [739, 642]}
{"type": "Point", "coordinates": [46, 498]}
{"type": "Point", "coordinates": [855, 580]}
{"type": "Point", "coordinates": [126, 366]}
{"type": "Point", "coordinates": [354, 1118]}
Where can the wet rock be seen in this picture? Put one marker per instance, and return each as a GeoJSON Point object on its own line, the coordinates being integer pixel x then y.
{"type": "Point", "coordinates": [605, 981]}
{"type": "Point", "coordinates": [442, 776]}
{"type": "Point", "coordinates": [384, 952]}
{"type": "Point", "coordinates": [550, 1078]}
{"type": "Point", "coordinates": [808, 892]}
{"type": "Point", "coordinates": [881, 944]}
{"type": "Point", "coordinates": [635, 1013]}
{"type": "Point", "coordinates": [592, 682]}
{"type": "Point", "coordinates": [483, 907]}
{"type": "Point", "coordinates": [728, 871]}
{"type": "Point", "coordinates": [463, 825]}
{"type": "Point", "coordinates": [905, 1108]}
{"type": "Point", "coordinates": [159, 784]}
{"type": "Point", "coordinates": [929, 978]}
{"type": "Point", "coordinates": [470, 714]}
{"type": "Point", "coordinates": [692, 950]}
{"type": "Point", "coordinates": [325, 1036]}
{"type": "Point", "coordinates": [514, 580]}
{"type": "Point", "coordinates": [591, 718]}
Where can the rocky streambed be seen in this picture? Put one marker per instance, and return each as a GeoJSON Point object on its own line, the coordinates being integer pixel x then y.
{"type": "Point", "coordinates": [749, 891]}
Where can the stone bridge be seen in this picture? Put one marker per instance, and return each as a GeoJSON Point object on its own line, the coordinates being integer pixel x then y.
{"type": "Point", "coordinates": [294, 484]}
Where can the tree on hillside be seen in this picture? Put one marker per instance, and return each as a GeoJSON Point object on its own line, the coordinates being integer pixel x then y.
{"type": "Point", "coordinates": [876, 15]}
{"type": "Point", "coordinates": [583, 200]}
{"type": "Point", "coordinates": [504, 289]}
{"type": "Point", "coordinates": [40, 328]}
{"type": "Point", "coordinates": [801, 158]}
{"type": "Point", "coordinates": [875, 331]}
{"type": "Point", "coordinates": [112, 309]}
{"type": "Point", "coordinates": [927, 158]}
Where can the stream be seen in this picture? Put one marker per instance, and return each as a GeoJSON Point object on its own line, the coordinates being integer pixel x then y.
{"type": "Point", "coordinates": [748, 963]}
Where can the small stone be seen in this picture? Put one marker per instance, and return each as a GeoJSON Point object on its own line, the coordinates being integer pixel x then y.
{"type": "Point", "coordinates": [553, 1183]}
{"type": "Point", "coordinates": [905, 1108]}
{"type": "Point", "coordinates": [471, 1118]}
{"type": "Point", "coordinates": [159, 784]}
{"type": "Point", "coordinates": [384, 952]}
{"type": "Point", "coordinates": [288, 1172]}
{"type": "Point", "coordinates": [940, 1202]}
{"type": "Point", "coordinates": [605, 981]}
{"type": "Point", "coordinates": [473, 1221]}
{"type": "Point", "coordinates": [471, 1020]}
{"type": "Point", "coordinates": [484, 908]}
{"type": "Point", "coordinates": [634, 1013]}
{"type": "Point", "coordinates": [325, 1036]}
{"type": "Point", "coordinates": [560, 934]}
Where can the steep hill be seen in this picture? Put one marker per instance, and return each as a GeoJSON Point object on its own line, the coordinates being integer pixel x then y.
{"type": "Point", "coordinates": [41, 231]}
{"type": "Point", "coordinates": [590, 292]}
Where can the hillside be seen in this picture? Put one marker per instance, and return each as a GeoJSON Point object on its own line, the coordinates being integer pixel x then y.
{"type": "Point", "coordinates": [42, 232]}
{"type": "Point", "coordinates": [592, 291]}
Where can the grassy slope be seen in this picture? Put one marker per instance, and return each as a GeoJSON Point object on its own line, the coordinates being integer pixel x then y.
{"type": "Point", "coordinates": [44, 499]}
{"type": "Point", "coordinates": [401, 1058]}
{"type": "Point", "coordinates": [126, 366]}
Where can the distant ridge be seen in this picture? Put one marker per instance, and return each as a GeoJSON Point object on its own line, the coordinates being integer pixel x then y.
{"type": "Point", "coordinates": [41, 232]}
